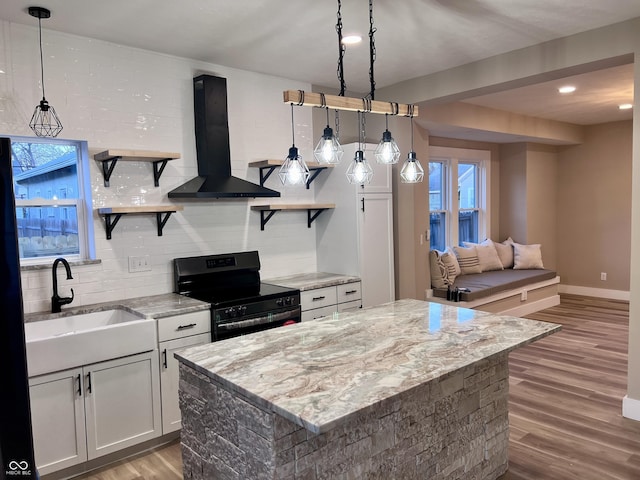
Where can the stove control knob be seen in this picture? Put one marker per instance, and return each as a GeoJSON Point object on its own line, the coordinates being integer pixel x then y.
{"type": "Point", "coordinates": [242, 310]}
{"type": "Point", "coordinates": [279, 302]}
{"type": "Point", "coordinates": [288, 300]}
{"type": "Point", "coordinates": [233, 312]}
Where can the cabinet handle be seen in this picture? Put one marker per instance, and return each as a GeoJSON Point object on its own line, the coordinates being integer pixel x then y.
{"type": "Point", "coordinates": [362, 200]}
{"type": "Point", "coordinates": [79, 385]}
{"type": "Point", "coordinates": [184, 327]}
{"type": "Point", "coordinates": [315, 299]}
{"type": "Point", "coordinates": [351, 292]}
{"type": "Point", "coordinates": [89, 382]}
{"type": "Point", "coordinates": [164, 358]}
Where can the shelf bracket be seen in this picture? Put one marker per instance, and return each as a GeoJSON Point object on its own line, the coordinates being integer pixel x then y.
{"type": "Point", "coordinates": [162, 221]}
{"type": "Point", "coordinates": [263, 176]}
{"type": "Point", "coordinates": [109, 225]}
{"type": "Point", "coordinates": [158, 168]}
{"type": "Point", "coordinates": [264, 219]}
{"type": "Point", "coordinates": [311, 217]}
{"type": "Point", "coordinates": [107, 169]}
{"type": "Point", "coordinates": [313, 174]}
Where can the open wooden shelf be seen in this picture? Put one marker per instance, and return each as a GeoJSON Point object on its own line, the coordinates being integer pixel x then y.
{"type": "Point", "coordinates": [313, 210]}
{"type": "Point", "coordinates": [110, 158]}
{"type": "Point", "coordinates": [113, 214]}
{"type": "Point", "coordinates": [269, 166]}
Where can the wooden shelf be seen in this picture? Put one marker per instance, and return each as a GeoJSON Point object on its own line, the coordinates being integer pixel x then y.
{"type": "Point", "coordinates": [313, 210]}
{"type": "Point", "coordinates": [270, 165]}
{"type": "Point", "coordinates": [117, 212]}
{"type": "Point", "coordinates": [109, 158]}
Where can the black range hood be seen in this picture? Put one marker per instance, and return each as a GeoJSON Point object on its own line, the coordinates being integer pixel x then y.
{"type": "Point", "coordinates": [214, 178]}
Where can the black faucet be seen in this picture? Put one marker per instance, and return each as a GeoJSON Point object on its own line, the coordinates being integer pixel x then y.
{"type": "Point", "coordinates": [56, 300]}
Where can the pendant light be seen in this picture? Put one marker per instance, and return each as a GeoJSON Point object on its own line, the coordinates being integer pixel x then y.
{"type": "Point", "coordinates": [412, 171]}
{"type": "Point", "coordinates": [387, 152]}
{"type": "Point", "coordinates": [293, 171]}
{"type": "Point", "coordinates": [328, 149]}
{"type": "Point", "coordinates": [44, 121]}
{"type": "Point", "coordinates": [359, 172]}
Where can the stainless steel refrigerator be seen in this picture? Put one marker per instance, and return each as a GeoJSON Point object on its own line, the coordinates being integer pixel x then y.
{"type": "Point", "coordinates": [16, 440]}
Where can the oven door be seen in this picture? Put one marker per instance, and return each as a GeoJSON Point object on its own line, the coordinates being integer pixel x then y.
{"type": "Point", "coordinates": [253, 323]}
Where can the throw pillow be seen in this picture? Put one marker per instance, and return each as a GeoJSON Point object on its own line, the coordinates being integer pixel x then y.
{"type": "Point", "coordinates": [505, 253]}
{"type": "Point", "coordinates": [487, 255]}
{"type": "Point", "coordinates": [468, 260]}
{"type": "Point", "coordinates": [452, 263]}
{"type": "Point", "coordinates": [527, 256]}
{"type": "Point", "coordinates": [439, 274]}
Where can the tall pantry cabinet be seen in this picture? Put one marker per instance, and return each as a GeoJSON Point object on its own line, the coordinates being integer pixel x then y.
{"type": "Point", "coordinates": [357, 237]}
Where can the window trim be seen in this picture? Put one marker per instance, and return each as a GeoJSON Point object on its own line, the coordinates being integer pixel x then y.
{"type": "Point", "coordinates": [82, 202]}
{"type": "Point", "coordinates": [450, 157]}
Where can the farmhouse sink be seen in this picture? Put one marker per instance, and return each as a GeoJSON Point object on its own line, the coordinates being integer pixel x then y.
{"type": "Point", "coordinates": [72, 341]}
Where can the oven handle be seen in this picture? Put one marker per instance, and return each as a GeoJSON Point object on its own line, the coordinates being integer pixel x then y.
{"type": "Point", "coordinates": [263, 319]}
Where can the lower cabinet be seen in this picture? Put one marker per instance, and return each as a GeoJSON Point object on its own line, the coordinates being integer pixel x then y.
{"type": "Point", "coordinates": [86, 412]}
{"type": "Point", "coordinates": [321, 302]}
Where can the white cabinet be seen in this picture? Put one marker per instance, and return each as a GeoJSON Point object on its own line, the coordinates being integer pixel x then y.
{"type": "Point", "coordinates": [175, 333]}
{"type": "Point", "coordinates": [86, 412]}
{"type": "Point", "coordinates": [321, 302]}
{"type": "Point", "coordinates": [357, 237]}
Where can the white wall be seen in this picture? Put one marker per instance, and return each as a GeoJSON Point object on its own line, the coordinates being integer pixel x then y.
{"type": "Point", "coordinates": [119, 97]}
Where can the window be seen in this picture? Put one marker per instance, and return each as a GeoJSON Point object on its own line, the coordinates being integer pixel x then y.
{"type": "Point", "coordinates": [58, 225]}
{"type": "Point", "coordinates": [458, 189]}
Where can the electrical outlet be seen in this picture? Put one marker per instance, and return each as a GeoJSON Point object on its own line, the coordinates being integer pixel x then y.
{"type": "Point", "coordinates": [603, 276]}
{"type": "Point", "coordinates": [523, 296]}
{"type": "Point", "coordinates": [140, 263]}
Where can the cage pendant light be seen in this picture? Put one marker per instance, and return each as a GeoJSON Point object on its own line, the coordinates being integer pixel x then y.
{"type": "Point", "coordinates": [293, 171]}
{"type": "Point", "coordinates": [44, 121]}
{"type": "Point", "coordinates": [359, 172]}
{"type": "Point", "coordinates": [328, 150]}
{"type": "Point", "coordinates": [412, 171]}
{"type": "Point", "coordinates": [387, 152]}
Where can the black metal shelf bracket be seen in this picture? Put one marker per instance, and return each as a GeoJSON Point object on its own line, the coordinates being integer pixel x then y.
{"type": "Point", "coordinates": [314, 172]}
{"type": "Point", "coordinates": [264, 219]}
{"type": "Point", "coordinates": [158, 168]}
{"type": "Point", "coordinates": [109, 225]}
{"type": "Point", "coordinates": [311, 217]}
{"type": "Point", "coordinates": [107, 169]}
{"type": "Point", "coordinates": [263, 176]}
{"type": "Point", "coordinates": [162, 221]}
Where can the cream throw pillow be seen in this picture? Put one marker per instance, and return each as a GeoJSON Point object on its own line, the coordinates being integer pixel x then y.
{"type": "Point", "coordinates": [452, 263]}
{"type": "Point", "coordinates": [439, 274]}
{"type": "Point", "coordinates": [468, 260]}
{"type": "Point", "coordinates": [487, 255]}
{"type": "Point", "coordinates": [527, 256]}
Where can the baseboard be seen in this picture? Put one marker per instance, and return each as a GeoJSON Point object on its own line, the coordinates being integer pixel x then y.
{"type": "Point", "coordinates": [533, 307]}
{"type": "Point", "coordinates": [631, 408]}
{"type": "Point", "coordinates": [595, 292]}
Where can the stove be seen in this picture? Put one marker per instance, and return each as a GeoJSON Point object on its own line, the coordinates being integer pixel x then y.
{"type": "Point", "coordinates": [240, 303]}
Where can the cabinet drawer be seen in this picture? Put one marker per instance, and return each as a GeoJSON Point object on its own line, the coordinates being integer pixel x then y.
{"type": "Point", "coordinates": [178, 326]}
{"type": "Point", "coordinates": [320, 297]}
{"type": "Point", "coordinates": [349, 292]}
{"type": "Point", "coordinates": [350, 306]}
{"type": "Point", "coordinates": [318, 312]}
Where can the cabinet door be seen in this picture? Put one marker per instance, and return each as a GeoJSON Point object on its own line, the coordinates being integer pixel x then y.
{"type": "Point", "coordinates": [57, 417]}
{"type": "Point", "coordinates": [375, 238]}
{"type": "Point", "coordinates": [122, 403]}
{"type": "Point", "coordinates": [169, 378]}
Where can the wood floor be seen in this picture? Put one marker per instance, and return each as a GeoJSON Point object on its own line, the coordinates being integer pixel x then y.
{"type": "Point", "coordinates": [565, 404]}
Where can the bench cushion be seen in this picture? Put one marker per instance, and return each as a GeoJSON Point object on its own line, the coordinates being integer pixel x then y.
{"type": "Point", "coordinates": [489, 283]}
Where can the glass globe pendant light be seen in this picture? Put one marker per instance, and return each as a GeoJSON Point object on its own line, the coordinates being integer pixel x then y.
{"type": "Point", "coordinates": [293, 171]}
{"type": "Point", "coordinates": [359, 172]}
{"type": "Point", "coordinates": [387, 152]}
{"type": "Point", "coordinates": [328, 149]}
{"type": "Point", "coordinates": [412, 171]}
{"type": "Point", "coordinates": [44, 121]}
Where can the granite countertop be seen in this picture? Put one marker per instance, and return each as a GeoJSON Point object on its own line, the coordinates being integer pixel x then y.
{"type": "Point", "coordinates": [155, 306]}
{"type": "Point", "coordinates": [311, 281]}
{"type": "Point", "coordinates": [319, 374]}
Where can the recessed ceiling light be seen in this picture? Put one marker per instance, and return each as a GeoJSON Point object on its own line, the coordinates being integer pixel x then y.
{"type": "Point", "coordinates": [625, 106]}
{"type": "Point", "coordinates": [567, 89]}
{"type": "Point", "coordinates": [351, 39]}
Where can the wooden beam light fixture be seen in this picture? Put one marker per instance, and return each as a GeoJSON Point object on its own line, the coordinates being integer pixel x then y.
{"type": "Point", "coordinates": [350, 104]}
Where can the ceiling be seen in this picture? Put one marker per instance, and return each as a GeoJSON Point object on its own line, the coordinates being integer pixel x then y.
{"type": "Point", "coordinates": [297, 39]}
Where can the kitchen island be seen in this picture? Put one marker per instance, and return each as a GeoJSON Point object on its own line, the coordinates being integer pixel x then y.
{"type": "Point", "coordinates": [404, 390]}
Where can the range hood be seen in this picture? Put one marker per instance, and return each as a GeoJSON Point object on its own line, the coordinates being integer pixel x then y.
{"type": "Point", "coordinates": [214, 178]}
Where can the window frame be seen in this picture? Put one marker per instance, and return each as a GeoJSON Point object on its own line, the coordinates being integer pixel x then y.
{"type": "Point", "coordinates": [82, 202]}
{"type": "Point", "coordinates": [450, 158]}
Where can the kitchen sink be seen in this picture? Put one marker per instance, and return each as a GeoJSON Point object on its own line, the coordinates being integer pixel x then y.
{"type": "Point", "coordinates": [72, 341]}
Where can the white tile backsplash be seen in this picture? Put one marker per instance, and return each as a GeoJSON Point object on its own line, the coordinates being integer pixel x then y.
{"type": "Point", "coordinates": [114, 96]}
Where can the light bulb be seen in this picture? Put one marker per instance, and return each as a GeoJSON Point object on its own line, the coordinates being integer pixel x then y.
{"type": "Point", "coordinates": [328, 149]}
{"type": "Point", "coordinates": [387, 151]}
{"type": "Point", "coordinates": [293, 171]}
{"type": "Point", "coordinates": [359, 172]}
{"type": "Point", "coordinates": [412, 171]}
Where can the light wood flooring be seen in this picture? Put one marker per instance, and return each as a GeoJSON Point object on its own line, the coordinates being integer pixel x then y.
{"type": "Point", "coordinates": [565, 404]}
